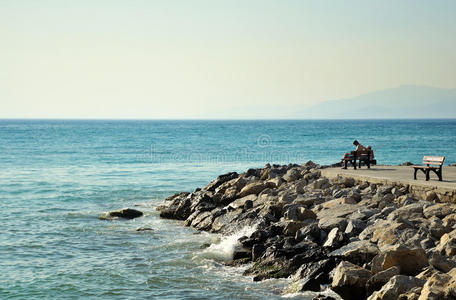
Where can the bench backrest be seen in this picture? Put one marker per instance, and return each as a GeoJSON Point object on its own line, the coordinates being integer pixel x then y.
{"type": "Point", "coordinates": [433, 160]}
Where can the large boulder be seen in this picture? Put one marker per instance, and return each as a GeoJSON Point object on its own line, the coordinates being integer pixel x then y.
{"type": "Point", "coordinates": [298, 212]}
{"type": "Point", "coordinates": [125, 213]}
{"type": "Point", "coordinates": [292, 175]}
{"type": "Point", "coordinates": [252, 188]}
{"type": "Point", "coordinates": [321, 183]}
{"type": "Point", "coordinates": [447, 244]}
{"type": "Point", "coordinates": [410, 261]}
{"type": "Point", "coordinates": [376, 282]}
{"type": "Point", "coordinates": [439, 210]}
{"type": "Point", "coordinates": [440, 286]}
{"type": "Point", "coordinates": [358, 252]}
{"type": "Point", "coordinates": [349, 280]}
{"type": "Point", "coordinates": [220, 180]}
{"type": "Point", "coordinates": [396, 286]}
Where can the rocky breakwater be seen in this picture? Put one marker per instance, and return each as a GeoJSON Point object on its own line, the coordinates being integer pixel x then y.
{"type": "Point", "coordinates": [362, 240]}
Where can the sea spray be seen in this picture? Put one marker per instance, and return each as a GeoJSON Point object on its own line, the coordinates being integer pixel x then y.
{"type": "Point", "coordinates": [224, 249]}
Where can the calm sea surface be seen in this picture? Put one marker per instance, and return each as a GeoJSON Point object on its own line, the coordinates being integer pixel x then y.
{"type": "Point", "coordinates": [56, 176]}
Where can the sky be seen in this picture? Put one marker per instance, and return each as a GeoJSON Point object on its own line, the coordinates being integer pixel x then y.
{"type": "Point", "coordinates": [193, 59]}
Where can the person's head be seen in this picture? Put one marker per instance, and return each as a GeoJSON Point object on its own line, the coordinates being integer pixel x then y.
{"type": "Point", "coordinates": [355, 142]}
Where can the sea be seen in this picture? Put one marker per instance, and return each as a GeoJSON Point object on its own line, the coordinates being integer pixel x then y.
{"type": "Point", "coordinates": [57, 176]}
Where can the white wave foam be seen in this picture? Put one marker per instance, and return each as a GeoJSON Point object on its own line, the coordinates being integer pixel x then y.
{"type": "Point", "coordinates": [224, 249]}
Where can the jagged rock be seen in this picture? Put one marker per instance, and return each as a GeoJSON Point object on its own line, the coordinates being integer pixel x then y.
{"type": "Point", "coordinates": [265, 269]}
{"type": "Point", "coordinates": [358, 252]}
{"type": "Point", "coordinates": [410, 261]}
{"type": "Point", "coordinates": [439, 286]}
{"type": "Point", "coordinates": [431, 196]}
{"type": "Point", "coordinates": [252, 188]}
{"type": "Point", "coordinates": [354, 227]}
{"type": "Point", "coordinates": [292, 175]}
{"type": "Point", "coordinates": [291, 227]}
{"type": "Point", "coordinates": [441, 262]}
{"type": "Point", "coordinates": [220, 180]}
{"type": "Point", "coordinates": [376, 282]}
{"type": "Point", "coordinates": [298, 212]}
{"type": "Point", "coordinates": [447, 244]}
{"type": "Point", "coordinates": [287, 197]}
{"type": "Point", "coordinates": [334, 239]}
{"type": "Point", "coordinates": [439, 210]}
{"type": "Point", "coordinates": [337, 202]}
{"type": "Point", "coordinates": [257, 251]}
{"type": "Point", "coordinates": [391, 233]}
{"type": "Point", "coordinates": [125, 213]}
{"type": "Point", "coordinates": [241, 252]}
{"type": "Point", "coordinates": [309, 232]}
{"type": "Point", "coordinates": [274, 182]}
{"type": "Point", "coordinates": [349, 280]}
{"type": "Point", "coordinates": [396, 286]}
{"type": "Point", "coordinates": [310, 276]}
{"type": "Point", "coordinates": [328, 223]}
{"type": "Point", "coordinates": [300, 187]}
{"type": "Point", "coordinates": [449, 221]}
{"type": "Point", "coordinates": [321, 183]}
{"type": "Point", "coordinates": [408, 212]}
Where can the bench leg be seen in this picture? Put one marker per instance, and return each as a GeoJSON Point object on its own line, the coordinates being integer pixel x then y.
{"type": "Point", "coordinates": [427, 174]}
{"type": "Point", "coordinates": [414, 174]}
{"type": "Point", "coordinates": [438, 173]}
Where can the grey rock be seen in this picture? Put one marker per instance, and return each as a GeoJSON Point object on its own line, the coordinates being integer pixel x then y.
{"type": "Point", "coordinates": [349, 280]}
{"type": "Point", "coordinates": [396, 286]}
{"type": "Point", "coordinates": [334, 239]}
{"type": "Point", "coordinates": [125, 213]}
{"type": "Point", "coordinates": [358, 252]}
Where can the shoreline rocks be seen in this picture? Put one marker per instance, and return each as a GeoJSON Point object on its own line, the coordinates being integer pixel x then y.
{"type": "Point", "coordinates": [362, 240]}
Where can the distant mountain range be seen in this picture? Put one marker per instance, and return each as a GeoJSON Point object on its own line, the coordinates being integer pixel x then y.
{"type": "Point", "coordinates": [407, 101]}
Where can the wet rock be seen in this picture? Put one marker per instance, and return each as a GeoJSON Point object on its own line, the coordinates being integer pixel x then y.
{"type": "Point", "coordinates": [258, 251]}
{"type": "Point", "coordinates": [266, 269]}
{"type": "Point", "coordinates": [410, 261]}
{"type": "Point", "coordinates": [145, 229]}
{"type": "Point", "coordinates": [396, 286]}
{"type": "Point", "coordinates": [349, 280]}
{"type": "Point", "coordinates": [125, 213]}
{"type": "Point", "coordinates": [311, 275]}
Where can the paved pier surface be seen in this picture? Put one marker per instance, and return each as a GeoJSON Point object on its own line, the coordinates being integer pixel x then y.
{"type": "Point", "coordinates": [446, 189]}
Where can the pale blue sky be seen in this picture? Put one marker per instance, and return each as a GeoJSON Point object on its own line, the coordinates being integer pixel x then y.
{"type": "Point", "coordinates": [214, 59]}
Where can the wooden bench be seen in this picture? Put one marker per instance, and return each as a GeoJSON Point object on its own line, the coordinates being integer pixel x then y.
{"type": "Point", "coordinates": [364, 156]}
{"type": "Point", "coordinates": [432, 163]}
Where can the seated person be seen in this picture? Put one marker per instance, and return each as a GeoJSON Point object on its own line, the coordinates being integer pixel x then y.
{"type": "Point", "coordinates": [348, 157]}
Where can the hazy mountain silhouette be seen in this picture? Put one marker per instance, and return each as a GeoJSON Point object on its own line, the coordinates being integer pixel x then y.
{"type": "Point", "coordinates": [407, 101]}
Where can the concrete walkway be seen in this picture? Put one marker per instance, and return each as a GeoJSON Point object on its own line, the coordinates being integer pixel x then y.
{"type": "Point", "coordinates": [446, 189]}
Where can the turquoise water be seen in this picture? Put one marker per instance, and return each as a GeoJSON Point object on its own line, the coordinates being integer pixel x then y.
{"type": "Point", "coordinates": [56, 176]}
